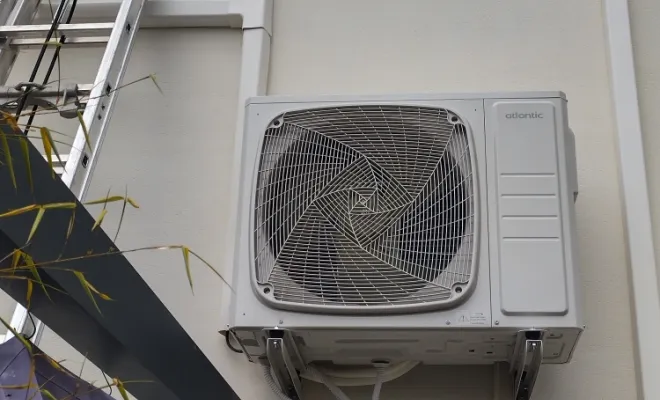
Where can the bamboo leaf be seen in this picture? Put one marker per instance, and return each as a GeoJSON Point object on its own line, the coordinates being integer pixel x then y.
{"type": "Point", "coordinates": [10, 254]}
{"type": "Point", "coordinates": [19, 211]}
{"type": "Point", "coordinates": [39, 137]}
{"type": "Point", "coordinates": [71, 222]}
{"type": "Point", "coordinates": [153, 79]}
{"type": "Point", "coordinates": [11, 120]}
{"type": "Point", "coordinates": [82, 367]}
{"type": "Point", "coordinates": [121, 388]}
{"type": "Point", "coordinates": [137, 381]}
{"type": "Point", "coordinates": [29, 262]}
{"type": "Point", "coordinates": [48, 149]}
{"type": "Point", "coordinates": [54, 43]}
{"type": "Point", "coordinates": [48, 394]}
{"type": "Point", "coordinates": [83, 125]}
{"type": "Point", "coordinates": [100, 294]}
{"type": "Point", "coordinates": [186, 260]}
{"type": "Point", "coordinates": [211, 268]}
{"type": "Point", "coordinates": [24, 278]}
{"type": "Point", "coordinates": [16, 277]}
{"type": "Point", "coordinates": [111, 199]}
{"type": "Point", "coordinates": [26, 157]}
{"type": "Point", "coordinates": [105, 203]}
{"type": "Point", "coordinates": [28, 295]}
{"type": "Point", "coordinates": [85, 286]}
{"type": "Point", "coordinates": [99, 220]}
{"type": "Point", "coordinates": [65, 205]}
{"type": "Point", "coordinates": [5, 149]}
{"type": "Point", "coordinates": [21, 386]}
{"type": "Point", "coordinates": [132, 202]}
{"type": "Point", "coordinates": [15, 259]}
{"type": "Point", "coordinates": [20, 337]}
{"type": "Point", "coordinates": [55, 364]}
{"type": "Point", "coordinates": [37, 221]}
{"type": "Point", "coordinates": [45, 133]}
{"type": "Point", "coordinates": [121, 217]}
{"type": "Point", "coordinates": [33, 370]}
{"type": "Point", "coordinates": [52, 362]}
{"type": "Point", "coordinates": [108, 199]}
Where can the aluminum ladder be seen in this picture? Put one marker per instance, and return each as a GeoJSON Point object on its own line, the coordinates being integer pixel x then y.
{"type": "Point", "coordinates": [17, 30]}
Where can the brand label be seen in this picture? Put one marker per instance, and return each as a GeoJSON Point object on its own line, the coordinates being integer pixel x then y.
{"type": "Point", "coordinates": [517, 115]}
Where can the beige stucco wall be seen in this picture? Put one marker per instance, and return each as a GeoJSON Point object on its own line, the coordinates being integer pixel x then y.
{"type": "Point", "coordinates": [645, 25]}
{"type": "Point", "coordinates": [174, 153]}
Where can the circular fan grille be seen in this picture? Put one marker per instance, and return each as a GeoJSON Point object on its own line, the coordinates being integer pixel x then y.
{"type": "Point", "coordinates": [364, 206]}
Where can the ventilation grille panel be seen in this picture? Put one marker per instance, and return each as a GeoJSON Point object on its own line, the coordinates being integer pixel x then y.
{"type": "Point", "coordinates": [364, 207]}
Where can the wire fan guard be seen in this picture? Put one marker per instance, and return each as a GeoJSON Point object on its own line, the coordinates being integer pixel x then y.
{"type": "Point", "coordinates": [365, 208]}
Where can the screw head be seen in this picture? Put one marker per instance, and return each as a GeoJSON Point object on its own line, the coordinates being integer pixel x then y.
{"type": "Point", "coordinates": [281, 321]}
{"type": "Point", "coordinates": [448, 322]}
{"type": "Point", "coordinates": [497, 322]}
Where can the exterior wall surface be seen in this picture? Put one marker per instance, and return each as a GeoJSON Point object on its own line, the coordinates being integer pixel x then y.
{"type": "Point", "coordinates": [174, 152]}
{"type": "Point", "coordinates": [645, 19]}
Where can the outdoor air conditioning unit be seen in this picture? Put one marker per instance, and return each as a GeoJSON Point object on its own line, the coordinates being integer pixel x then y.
{"type": "Point", "coordinates": [437, 229]}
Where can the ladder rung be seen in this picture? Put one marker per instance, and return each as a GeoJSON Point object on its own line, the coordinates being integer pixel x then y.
{"type": "Point", "coordinates": [57, 166]}
{"type": "Point", "coordinates": [70, 42]}
{"type": "Point", "coordinates": [11, 92]}
{"type": "Point", "coordinates": [31, 31]}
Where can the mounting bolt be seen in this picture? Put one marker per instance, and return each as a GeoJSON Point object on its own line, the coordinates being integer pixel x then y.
{"type": "Point", "coordinates": [448, 322]}
{"type": "Point", "coordinates": [281, 321]}
{"type": "Point", "coordinates": [497, 322]}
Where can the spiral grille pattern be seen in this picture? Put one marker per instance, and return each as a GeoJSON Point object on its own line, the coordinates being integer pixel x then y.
{"type": "Point", "coordinates": [364, 206]}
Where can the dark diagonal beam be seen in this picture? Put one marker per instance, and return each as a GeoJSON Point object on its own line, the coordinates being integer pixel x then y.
{"type": "Point", "coordinates": [135, 337]}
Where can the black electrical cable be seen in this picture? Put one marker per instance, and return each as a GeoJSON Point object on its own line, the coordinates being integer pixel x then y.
{"type": "Point", "coordinates": [53, 26]}
{"type": "Point", "coordinates": [228, 341]}
{"type": "Point", "coordinates": [53, 61]}
{"type": "Point", "coordinates": [34, 326]}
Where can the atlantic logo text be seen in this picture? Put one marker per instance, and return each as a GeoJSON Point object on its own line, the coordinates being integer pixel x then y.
{"type": "Point", "coordinates": [532, 115]}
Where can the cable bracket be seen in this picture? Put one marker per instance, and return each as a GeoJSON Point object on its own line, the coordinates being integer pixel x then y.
{"type": "Point", "coordinates": [67, 101]}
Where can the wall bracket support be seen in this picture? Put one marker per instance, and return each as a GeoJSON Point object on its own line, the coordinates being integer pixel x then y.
{"type": "Point", "coordinates": [526, 362]}
{"type": "Point", "coordinates": [285, 361]}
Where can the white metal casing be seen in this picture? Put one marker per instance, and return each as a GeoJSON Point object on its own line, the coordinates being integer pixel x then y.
{"type": "Point", "coordinates": [526, 273]}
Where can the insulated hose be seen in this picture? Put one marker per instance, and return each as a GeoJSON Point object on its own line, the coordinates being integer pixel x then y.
{"type": "Point", "coordinates": [362, 376]}
{"type": "Point", "coordinates": [339, 394]}
{"type": "Point", "coordinates": [333, 378]}
{"type": "Point", "coordinates": [380, 369]}
{"type": "Point", "coordinates": [324, 379]}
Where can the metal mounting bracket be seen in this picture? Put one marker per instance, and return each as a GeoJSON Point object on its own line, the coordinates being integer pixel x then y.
{"type": "Point", "coordinates": [68, 101]}
{"type": "Point", "coordinates": [285, 361]}
{"type": "Point", "coordinates": [526, 362]}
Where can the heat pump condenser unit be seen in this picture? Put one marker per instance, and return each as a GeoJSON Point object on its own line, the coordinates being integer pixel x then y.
{"type": "Point", "coordinates": [437, 229]}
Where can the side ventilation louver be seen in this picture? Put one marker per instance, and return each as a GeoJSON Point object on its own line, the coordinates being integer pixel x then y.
{"type": "Point", "coordinates": [365, 207]}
